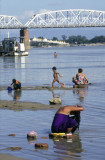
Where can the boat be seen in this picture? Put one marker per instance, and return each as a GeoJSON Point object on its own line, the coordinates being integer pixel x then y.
{"type": "Point", "coordinates": [11, 47]}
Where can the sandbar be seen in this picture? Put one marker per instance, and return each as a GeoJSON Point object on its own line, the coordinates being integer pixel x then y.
{"type": "Point", "coordinates": [10, 157]}
{"type": "Point", "coordinates": [45, 87]}
{"type": "Point", "coordinates": [20, 105]}
{"type": "Point", "coordinates": [40, 88]}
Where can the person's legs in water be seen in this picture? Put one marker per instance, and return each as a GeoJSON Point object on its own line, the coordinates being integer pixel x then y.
{"type": "Point", "coordinates": [74, 80]}
{"type": "Point", "coordinates": [77, 119]}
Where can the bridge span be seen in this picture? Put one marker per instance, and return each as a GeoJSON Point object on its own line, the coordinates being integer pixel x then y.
{"type": "Point", "coordinates": [57, 19]}
{"type": "Point", "coordinates": [68, 19]}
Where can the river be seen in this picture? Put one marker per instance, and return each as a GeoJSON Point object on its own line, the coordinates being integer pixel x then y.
{"type": "Point", "coordinates": [36, 70]}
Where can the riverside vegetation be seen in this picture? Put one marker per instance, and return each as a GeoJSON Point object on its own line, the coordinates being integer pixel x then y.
{"type": "Point", "coordinates": [71, 40]}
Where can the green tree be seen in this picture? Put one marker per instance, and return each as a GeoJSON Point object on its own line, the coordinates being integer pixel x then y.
{"type": "Point", "coordinates": [64, 37]}
{"type": "Point", "coordinates": [77, 39]}
{"type": "Point", "coordinates": [98, 39]}
{"type": "Point", "coordinates": [55, 39]}
{"type": "Point", "coordinates": [40, 37]}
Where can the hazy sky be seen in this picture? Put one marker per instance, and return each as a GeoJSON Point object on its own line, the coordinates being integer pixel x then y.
{"type": "Point", "coordinates": [24, 9]}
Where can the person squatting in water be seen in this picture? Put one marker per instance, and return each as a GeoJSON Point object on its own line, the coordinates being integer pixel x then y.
{"type": "Point", "coordinates": [63, 123]}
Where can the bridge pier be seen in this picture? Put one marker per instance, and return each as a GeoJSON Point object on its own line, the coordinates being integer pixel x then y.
{"type": "Point", "coordinates": [24, 38]}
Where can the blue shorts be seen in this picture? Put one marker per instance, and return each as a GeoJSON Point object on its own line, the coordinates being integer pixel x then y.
{"type": "Point", "coordinates": [62, 122]}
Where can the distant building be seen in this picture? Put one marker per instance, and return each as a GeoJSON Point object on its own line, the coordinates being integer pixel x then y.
{"type": "Point", "coordinates": [50, 41]}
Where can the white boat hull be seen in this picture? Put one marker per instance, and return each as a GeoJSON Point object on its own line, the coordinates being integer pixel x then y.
{"type": "Point", "coordinates": [21, 53]}
{"type": "Point", "coordinates": [15, 54]}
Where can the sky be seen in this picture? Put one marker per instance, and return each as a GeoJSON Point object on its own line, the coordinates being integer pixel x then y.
{"type": "Point", "coordinates": [24, 9]}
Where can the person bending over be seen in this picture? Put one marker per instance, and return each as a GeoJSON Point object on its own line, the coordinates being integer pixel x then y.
{"type": "Point", "coordinates": [16, 84]}
{"type": "Point", "coordinates": [55, 75]}
{"type": "Point", "coordinates": [80, 78]}
{"type": "Point", "coordinates": [63, 123]}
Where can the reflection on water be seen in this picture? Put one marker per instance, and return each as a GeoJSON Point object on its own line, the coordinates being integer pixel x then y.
{"type": "Point", "coordinates": [58, 94]}
{"type": "Point", "coordinates": [14, 62]}
{"type": "Point", "coordinates": [30, 141]}
{"type": "Point", "coordinates": [81, 92]}
{"type": "Point", "coordinates": [15, 94]}
{"type": "Point", "coordinates": [11, 67]}
{"type": "Point", "coordinates": [70, 147]}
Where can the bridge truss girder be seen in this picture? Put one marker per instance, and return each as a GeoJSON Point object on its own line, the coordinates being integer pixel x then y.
{"type": "Point", "coordinates": [9, 22]}
{"type": "Point", "coordinates": [57, 19]}
{"type": "Point", "coordinates": [68, 19]}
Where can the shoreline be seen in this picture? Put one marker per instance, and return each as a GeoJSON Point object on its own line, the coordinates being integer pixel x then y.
{"type": "Point", "coordinates": [71, 45]}
{"type": "Point", "coordinates": [10, 157]}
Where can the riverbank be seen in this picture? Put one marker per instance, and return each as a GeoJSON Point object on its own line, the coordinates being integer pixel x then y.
{"type": "Point", "coordinates": [71, 45]}
{"type": "Point", "coordinates": [87, 44]}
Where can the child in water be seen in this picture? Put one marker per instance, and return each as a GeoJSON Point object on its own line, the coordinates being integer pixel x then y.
{"type": "Point", "coordinates": [62, 123]}
{"type": "Point", "coordinates": [55, 54]}
{"type": "Point", "coordinates": [16, 84]}
{"type": "Point", "coordinates": [55, 75]}
{"type": "Point", "coordinates": [80, 78]}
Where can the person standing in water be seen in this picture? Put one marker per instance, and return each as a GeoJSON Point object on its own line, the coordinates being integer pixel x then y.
{"type": "Point", "coordinates": [55, 54]}
{"type": "Point", "coordinates": [62, 123]}
{"type": "Point", "coordinates": [55, 75]}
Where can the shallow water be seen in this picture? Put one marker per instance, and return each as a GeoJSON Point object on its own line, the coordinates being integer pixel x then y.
{"type": "Point", "coordinates": [35, 70]}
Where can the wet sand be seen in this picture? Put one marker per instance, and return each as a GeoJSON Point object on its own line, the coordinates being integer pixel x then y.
{"type": "Point", "coordinates": [44, 87]}
{"type": "Point", "coordinates": [9, 157]}
{"type": "Point", "coordinates": [19, 105]}
{"type": "Point", "coordinates": [40, 88]}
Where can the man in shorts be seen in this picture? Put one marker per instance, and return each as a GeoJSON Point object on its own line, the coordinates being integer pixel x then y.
{"type": "Point", "coordinates": [62, 123]}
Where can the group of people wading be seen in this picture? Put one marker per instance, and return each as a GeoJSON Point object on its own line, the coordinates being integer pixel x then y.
{"type": "Point", "coordinates": [63, 122]}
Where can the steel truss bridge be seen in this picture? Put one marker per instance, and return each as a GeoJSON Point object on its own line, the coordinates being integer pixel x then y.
{"type": "Point", "coordinates": [57, 19]}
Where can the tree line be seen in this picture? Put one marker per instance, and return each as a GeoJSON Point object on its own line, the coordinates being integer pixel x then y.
{"type": "Point", "coordinates": [72, 40]}
{"type": "Point", "coordinates": [81, 39]}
